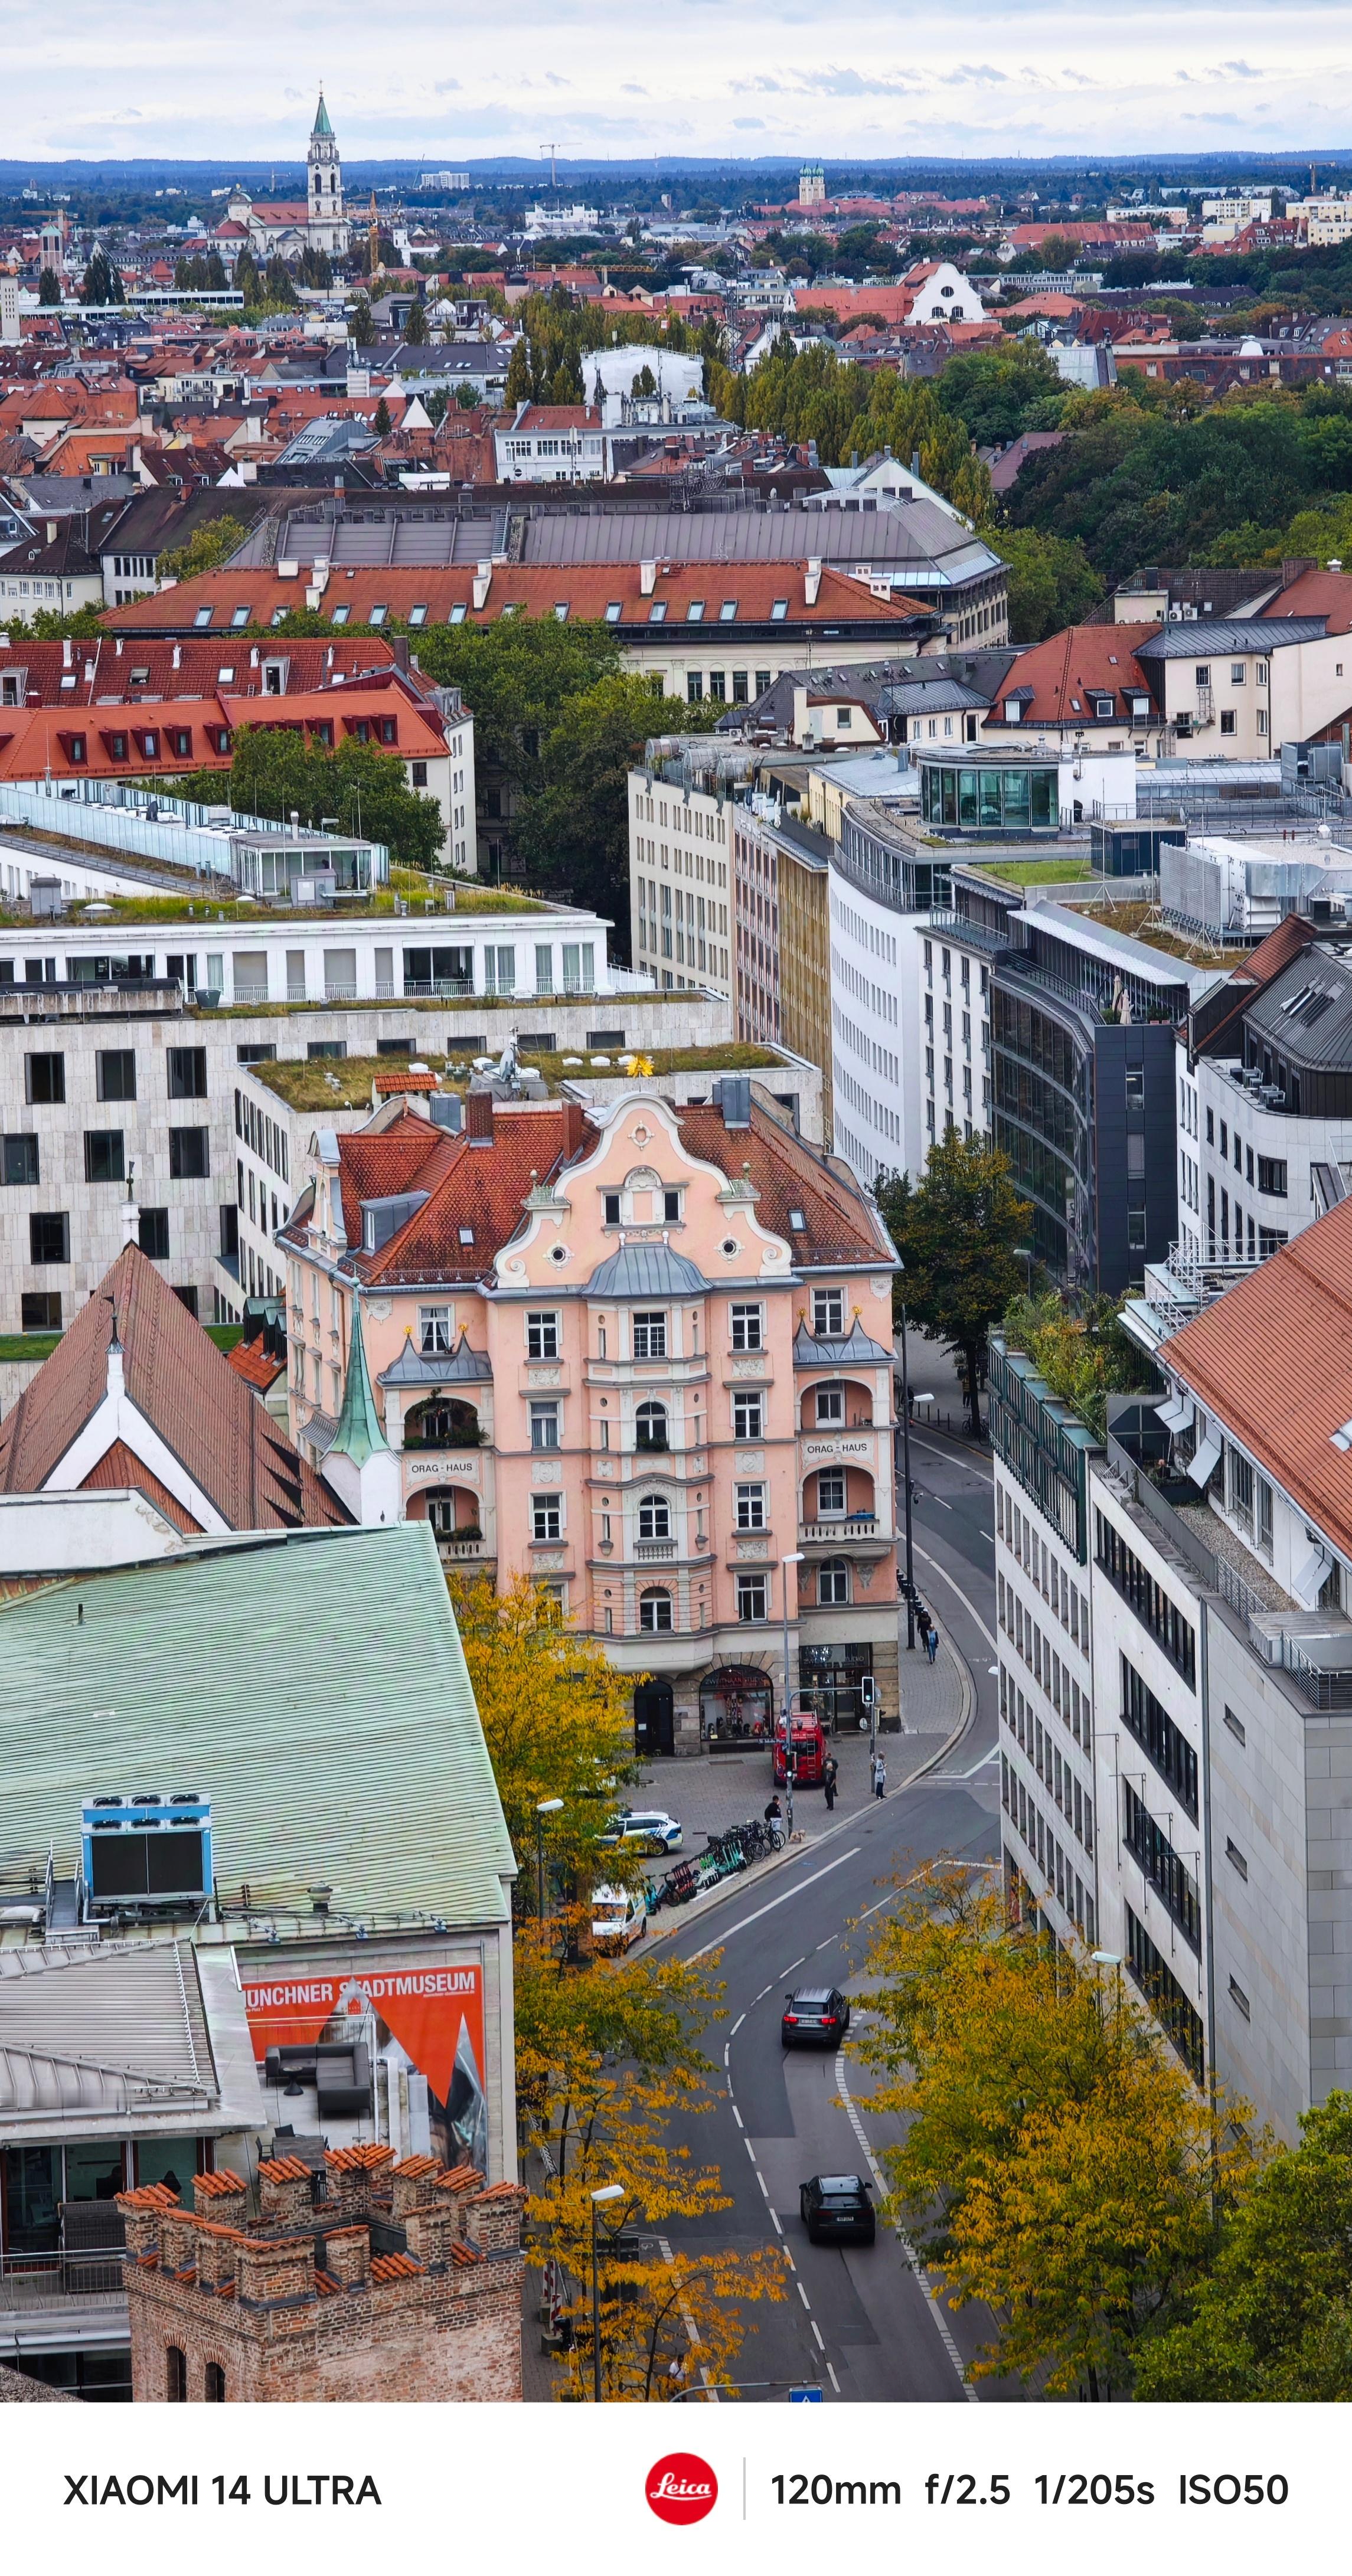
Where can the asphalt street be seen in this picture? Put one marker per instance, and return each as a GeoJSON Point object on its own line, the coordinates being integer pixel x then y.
{"type": "Point", "coordinates": [860, 2322]}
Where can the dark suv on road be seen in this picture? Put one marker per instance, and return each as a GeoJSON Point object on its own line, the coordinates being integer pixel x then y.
{"type": "Point", "coordinates": [814, 2017]}
{"type": "Point", "coordinates": [836, 2210]}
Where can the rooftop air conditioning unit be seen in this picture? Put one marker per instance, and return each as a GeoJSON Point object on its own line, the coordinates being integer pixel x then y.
{"type": "Point", "coordinates": [149, 1848]}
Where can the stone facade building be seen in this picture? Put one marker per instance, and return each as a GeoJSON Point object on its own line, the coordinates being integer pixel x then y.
{"type": "Point", "coordinates": [367, 2279]}
{"type": "Point", "coordinates": [643, 1354]}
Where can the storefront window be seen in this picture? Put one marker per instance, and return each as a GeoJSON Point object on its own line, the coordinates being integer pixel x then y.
{"type": "Point", "coordinates": [736, 1706]}
{"type": "Point", "coordinates": [990, 800]}
{"type": "Point", "coordinates": [1016, 799]}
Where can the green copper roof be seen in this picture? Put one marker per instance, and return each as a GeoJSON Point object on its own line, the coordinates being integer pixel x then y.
{"type": "Point", "coordinates": [322, 125]}
{"type": "Point", "coordinates": [312, 1686]}
{"type": "Point", "coordinates": [359, 1434]}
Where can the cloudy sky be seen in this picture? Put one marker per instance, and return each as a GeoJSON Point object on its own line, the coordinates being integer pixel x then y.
{"type": "Point", "coordinates": [865, 78]}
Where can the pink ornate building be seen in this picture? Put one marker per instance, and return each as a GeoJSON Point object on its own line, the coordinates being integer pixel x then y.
{"type": "Point", "coordinates": [644, 1355]}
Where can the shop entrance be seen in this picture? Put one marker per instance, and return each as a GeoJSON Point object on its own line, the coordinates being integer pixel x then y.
{"type": "Point", "coordinates": [654, 1718]}
{"type": "Point", "coordinates": [829, 1679]}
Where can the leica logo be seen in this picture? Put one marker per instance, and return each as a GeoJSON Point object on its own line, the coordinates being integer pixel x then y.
{"type": "Point", "coordinates": [681, 2487]}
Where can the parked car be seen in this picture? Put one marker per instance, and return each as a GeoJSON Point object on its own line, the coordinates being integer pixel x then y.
{"type": "Point", "coordinates": [646, 1829]}
{"type": "Point", "coordinates": [836, 2210]}
{"type": "Point", "coordinates": [814, 2017]}
{"type": "Point", "coordinates": [619, 1917]}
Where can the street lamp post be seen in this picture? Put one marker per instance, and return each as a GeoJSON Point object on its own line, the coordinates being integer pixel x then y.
{"type": "Point", "coordinates": [906, 1478]}
{"type": "Point", "coordinates": [543, 1807]}
{"type": "Point", "coordinates": [609, 2191]}
{"type": "Point", "coordinates": [795, 1559]}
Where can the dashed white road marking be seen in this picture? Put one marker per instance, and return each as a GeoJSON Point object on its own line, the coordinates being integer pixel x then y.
{"type": "Point", "coordinates": [787, 1898]}
{"type": "Point", "coordinates": [904, 2241]}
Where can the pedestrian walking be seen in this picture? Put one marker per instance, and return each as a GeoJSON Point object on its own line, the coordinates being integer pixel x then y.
{"type": "Point", "coordinates": [879, 1776]}
{"type": "Point", "coordinates": [931, 1641]}
{"type": "Point", "coordinates": [829, 1781]}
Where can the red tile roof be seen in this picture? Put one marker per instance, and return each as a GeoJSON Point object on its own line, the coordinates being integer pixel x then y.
{"type": "Point", "coordinates": [1065, 669]}
{"type": "Point", "coordinates": [840, 1224]}
{"type": "Point", "coordinates": [394, 2267]}
{"type": "Point", "coordinates": [106, 670]}
{"type": "Point", "coordinates": [370, 2157]}
{"type": "Point", "coordinates": [284, 2169]}
{"type": "Point", "coordinates": [257, 1367]}
{"type": "Point", "coordinates": [119, 1471]}
{"type": "Point", "coordinates": [230, 1448]}
{"type": "Point", "coordinates": [1273, 1359]}
{"type": "Point", "coordinates": [1317, 594]}
{"type": "Point", "coordinates": [587, 590]}
{"type": "Point", "coordinates": [405, 1080]}
{"type": "Point", "coordinates": [220, 2186]}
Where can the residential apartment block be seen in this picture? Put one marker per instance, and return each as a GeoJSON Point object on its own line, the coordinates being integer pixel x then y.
{"type": "Point", "coordinates": [679, 859]}
{"type": "Point", "coordinates": [644, 1355]}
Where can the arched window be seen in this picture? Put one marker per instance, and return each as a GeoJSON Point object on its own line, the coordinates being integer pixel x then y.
{"type": "Point", "coordinates": [654, 1611]}
{"type": "Point", "coordinates": [176, 2375]}
{"type": "Point", "coordinates": [833, 1581]}
{"type": "Point", "coordinates": [650, 1426]}
{"type": "Point", "coordinates": [214, 2389]}
{"type": "Point", "coordinates": [654, 1517]}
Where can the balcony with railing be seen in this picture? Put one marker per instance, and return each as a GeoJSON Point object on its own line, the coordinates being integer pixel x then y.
{"type": "Point", "coordinates": [58, 2280]}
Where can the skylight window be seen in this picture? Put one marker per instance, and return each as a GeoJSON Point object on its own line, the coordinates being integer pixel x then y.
{"type": "Point", "coordinates": [657, 614]}
{"type": "Point", "coordinates": [457, 615]}
{"type": "Point", "coordinates": [728, 611]}
{"type": "Point", "coordinates": [341, 615]}
{"type": "Point", "coordinates": [695, 612]}
{"type": "Point", "coordinates": [561, 611]}
{"type": "Point", "coordinates": [277, 616]}
{"type": "Point", "coordinates": [779, 608]}
{"type": "Point", "coordinates": [240, 616]}
{"type": "Point", "coordinates": [467, 1234]}
{"type": "Point", "coordinates": [204, 616]}
{"type": "Point", "coordinates": [797, 1221]}
{"type": "Point", "coordinates": [418, 616]}
{"type": "Point", "coordinates": [225, 675]}
{"type": "Point", "coordinates": [613, 612]}
{"type": "Point", "coordinates": [380, 612]}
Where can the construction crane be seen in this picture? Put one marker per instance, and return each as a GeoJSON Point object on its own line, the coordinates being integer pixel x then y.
{"type": "Point", "coordinates": [373, 235]}
{"type": "Point", "coordinates": [552, 150]}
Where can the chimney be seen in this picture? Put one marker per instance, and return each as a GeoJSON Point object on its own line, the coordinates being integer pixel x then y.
{"type": "Point", "coordinates": [116, 1376]}
{"type": "Point", "coordinates": [733, 1096]}
{"type": "Point", "coordinates": [51, 527]}
{"type": "Point", "coordinates": [176, 658]}
{"type": "Point", "coordinates": [479, 1117]}
{"type": "Point", "coordinates": [483, 576]}
{"type": "Point", "coordinates": [67, 657]}
{"type": "Point", "coordinates": [812, 580]}
{"type": "Point", "coordinates": [647, 579]}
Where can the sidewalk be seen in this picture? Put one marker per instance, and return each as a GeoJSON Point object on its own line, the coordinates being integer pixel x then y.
{"type": "Point", "coordinates": [710, 1791]}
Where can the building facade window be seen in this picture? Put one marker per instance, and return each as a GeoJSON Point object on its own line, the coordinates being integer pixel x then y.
{"type": "Point", "coordinates": [752, 1593]}
{"type": "Point", "coordinates": [654, 1611]}
{"type": "Point", "coordinates": [544, 1425]}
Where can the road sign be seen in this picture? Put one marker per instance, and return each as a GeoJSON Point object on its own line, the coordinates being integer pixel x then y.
{"type": "Point", "coordinates": [806, 2396]}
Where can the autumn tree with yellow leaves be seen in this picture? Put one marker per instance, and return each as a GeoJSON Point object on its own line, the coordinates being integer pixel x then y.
{"type": "Point", "coordinates": [555, 1716]}
{"type": "Point", "coordinates": [609, 2073]}
{"type": "Point", "coordinates": [1059, 2164]}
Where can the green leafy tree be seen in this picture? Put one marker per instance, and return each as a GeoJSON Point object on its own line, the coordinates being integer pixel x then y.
{"type": "Point", "coordinates": [102, 283]}
{"type": "Point", "coordinates": [361, 325]}
{"type": "Point", "coordinates": [1083, 1353]}
{"type": "Point", "coordinates": [467, 398]}
{"type": "Point", "coordinates": [1272, 2321]}
{"type": "Point", "coordinates": [382, 423]}
{"type": "Point", "coordinates": [49, 287]}
{"type": "Point", "coordinates": [211, 544]}
{"type": "Point", "coordinates": [278, 285]}
{"type": "Point", "coordinates": [956, 1231]}
{"type": "Point", "coordinates": [644, 385]}
{"type": "Point", "coordinates": [518, 387]}
{"type": "Point", "coordinates": [248, 280]}
{"type": "Point", "coordinates": [575, 832]}
{"type": "Point", "coordinates": [1052, 583]}
{"type": "Point", "coordinates": [274, 773]}
{"type": "Point", "coordinates": [416, 332]}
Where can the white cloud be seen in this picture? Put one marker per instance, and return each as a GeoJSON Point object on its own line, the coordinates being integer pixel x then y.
{"type": "Point", "coordinates": [1141, 75]}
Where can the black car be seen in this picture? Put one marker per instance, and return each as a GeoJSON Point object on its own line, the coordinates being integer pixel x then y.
{"type": "Point", "coordinates": [814, 2017]}
{"type": "Point", "coordinates": [836, 2210]}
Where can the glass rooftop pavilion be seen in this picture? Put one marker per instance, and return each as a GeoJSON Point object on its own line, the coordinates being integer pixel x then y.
{"type": "Point", "coordinates": [304, 867]}
{"type": "Point", "coordinates": [1007, 794]}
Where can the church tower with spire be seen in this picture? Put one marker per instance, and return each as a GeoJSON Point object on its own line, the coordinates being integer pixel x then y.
{"type": "Point", "coordinates": [326, 223]}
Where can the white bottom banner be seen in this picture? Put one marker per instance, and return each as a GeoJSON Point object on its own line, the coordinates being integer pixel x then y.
{"type": "Point", "coordinates": [706, 2487]}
